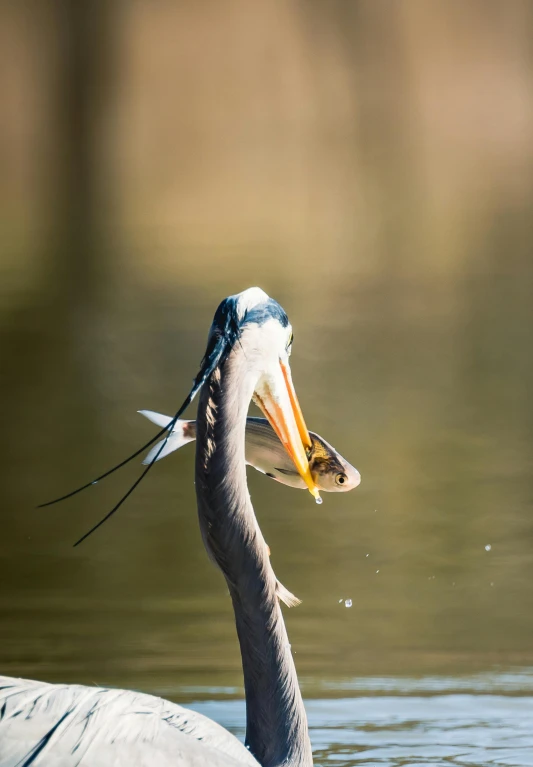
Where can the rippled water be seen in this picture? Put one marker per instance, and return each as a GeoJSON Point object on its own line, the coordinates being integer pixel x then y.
{"type": "Point", "coordinates": [410, 722]}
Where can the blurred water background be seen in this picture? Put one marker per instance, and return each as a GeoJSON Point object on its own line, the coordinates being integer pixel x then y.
{"type": "Point", "coordinates": [369, 164]}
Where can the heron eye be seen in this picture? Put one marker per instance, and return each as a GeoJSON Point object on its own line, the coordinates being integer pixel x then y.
{"type": "Point", "coordinates": [340, 479]}
{"type": "Point", "coordinates": [289, 344]}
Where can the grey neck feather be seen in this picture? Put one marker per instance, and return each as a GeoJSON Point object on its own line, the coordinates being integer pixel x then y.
{"type": "Point", "coordinates": [276, 726]}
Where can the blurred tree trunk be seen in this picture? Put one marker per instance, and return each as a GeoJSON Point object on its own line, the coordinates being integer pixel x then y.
{"type": "Point", "coordinates": [57, 335]}
{"type": "Point", "coordinates": [85, 74]}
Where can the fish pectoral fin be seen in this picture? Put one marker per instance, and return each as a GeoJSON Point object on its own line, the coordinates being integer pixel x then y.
{"type": "Point", "coordinates": [288, 472]}
{"type": "Point", "coordinates": [285, 596]}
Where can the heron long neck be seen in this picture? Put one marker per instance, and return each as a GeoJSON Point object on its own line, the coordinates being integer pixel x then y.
{"type": "Point", "coordinates": [276, 728]}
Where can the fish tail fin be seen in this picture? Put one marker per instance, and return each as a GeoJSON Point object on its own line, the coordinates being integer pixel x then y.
{"type": "Point", "coordinates": [285, 596]}
{"type": "Point", "coordinates": [180, 435]}
{"type": "Point", "coordinates": [157, 418]}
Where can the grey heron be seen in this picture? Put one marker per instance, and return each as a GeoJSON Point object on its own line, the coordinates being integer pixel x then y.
{"type": "Point", "coordinates": [46, 725]}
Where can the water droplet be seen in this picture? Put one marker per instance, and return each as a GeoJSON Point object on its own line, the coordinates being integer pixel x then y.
{"type": "Point", "coordinates": [341, 600]}
{"type": "Point", "coordinates": [366, 555]}
{"type": "Point", "coordinates": [377, 571]}
{"type": "Point", "coordinates": [347, 602]}
{"type": "Point", "coordinates": [94, 482]}
{"type": "Point", "coordinates": [318, 500]}
{"type": "Point", "coordinates": [488, 547]}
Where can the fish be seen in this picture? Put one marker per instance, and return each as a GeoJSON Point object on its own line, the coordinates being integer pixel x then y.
{"type": "Point", "coordinates": [264, 452]}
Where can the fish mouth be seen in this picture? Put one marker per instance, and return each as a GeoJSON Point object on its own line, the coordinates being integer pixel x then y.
{"type": "Point", "coordinates": [353, 479]}
{"type": "Point", "coordinates": [276, 396]}
{"type": "Point", "coordinates": [334, 477]}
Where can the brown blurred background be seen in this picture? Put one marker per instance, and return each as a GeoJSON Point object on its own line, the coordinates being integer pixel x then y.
{"type": "Point", "coordinates": [369, 163]}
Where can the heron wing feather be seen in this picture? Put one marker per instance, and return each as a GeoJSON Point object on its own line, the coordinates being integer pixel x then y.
{"type": "Point", "coordinates": [45, 725]}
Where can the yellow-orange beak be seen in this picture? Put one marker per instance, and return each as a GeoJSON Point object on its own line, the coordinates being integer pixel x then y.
{"type": "Point", "coordinates": [277, 398]}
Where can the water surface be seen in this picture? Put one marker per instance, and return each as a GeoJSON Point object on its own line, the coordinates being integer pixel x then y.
{"type": "Point", "coordinates": [475, 721]}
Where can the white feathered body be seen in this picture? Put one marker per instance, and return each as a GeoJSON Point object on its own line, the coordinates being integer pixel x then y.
{"type": "Point", "coordinates": [50, 725]}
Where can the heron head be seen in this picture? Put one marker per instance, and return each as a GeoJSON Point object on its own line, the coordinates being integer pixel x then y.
{"type": "Point", "coordinates": [259, 325]}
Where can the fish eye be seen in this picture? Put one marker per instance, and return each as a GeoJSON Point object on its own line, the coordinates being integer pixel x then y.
{"type": "Point", "coordinates": [340, 479]}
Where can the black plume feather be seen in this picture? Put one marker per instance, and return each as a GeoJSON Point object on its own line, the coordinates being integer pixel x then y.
{"type": "Point", "coordinates": [225, 332]}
